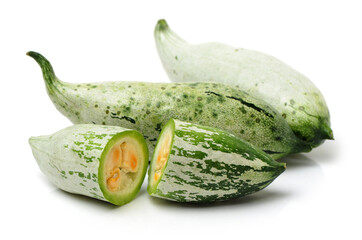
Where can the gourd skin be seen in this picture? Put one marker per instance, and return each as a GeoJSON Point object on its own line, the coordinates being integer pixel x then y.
{"type": "Point", "coordinates": [146, 107]}
{"type": "Point", "coordinates": [207, 164]}
{"type": "Point", "coordinates": [74, 159]}
{"type": "Point", "coordinates": [262, 76]}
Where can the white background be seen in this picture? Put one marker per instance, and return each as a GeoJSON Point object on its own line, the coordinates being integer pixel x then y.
{"type": "Point", "coordinates": [319, 195]}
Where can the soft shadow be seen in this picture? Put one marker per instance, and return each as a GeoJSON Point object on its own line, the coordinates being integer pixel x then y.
{"type": "Point", "coordinates": [303, 174]}
{"type": "Point", "coordinates": [254, 199]}
{"type": "Point", "coordinates": [142, 193]}
{"type": "Point", "coordinates": [325, 153]}
{"type": "Point", "coordinates": [329, 151]}
{"type": "Point", "coordinates": [298, 160]}
{"type": "Point", "coordinates": [81, 199]}
{"type": "Point", "coordinates": [84, 200]}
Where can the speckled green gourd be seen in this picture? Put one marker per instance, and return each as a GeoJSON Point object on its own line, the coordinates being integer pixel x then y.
{"type": "Point", "coordinates": [74, 159]}
{"type": "Point", "coordinates": [146, 107]}
{"type": "Point", "coordinates": [193, 163]}
{"type": "Point", "coordinates": [296, 98]}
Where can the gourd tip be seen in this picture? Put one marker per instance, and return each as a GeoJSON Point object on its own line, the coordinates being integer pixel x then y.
{"type": "Point", "coordinates": [46, 67]}
{"type": "Point", "coordinates": [33, 54]}
{"type": "Point", "coordinates": [330, 135]}
{"type": "Point", "coordinates": [162, 24]}
{"type": "Point", "coordinates": [326, 132]}
{"type": "Point", "coordinates": [30, 53]}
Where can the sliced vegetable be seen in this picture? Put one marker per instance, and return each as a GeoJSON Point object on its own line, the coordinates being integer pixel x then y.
{"type": "Point", "coordinates": [262, 76]}
{"type": "Point", "coordinates": [148, 106]}
{"type": "Point", "coordinates": [103, 162]}
{"type": "Point", "coordinates": [193, 163]}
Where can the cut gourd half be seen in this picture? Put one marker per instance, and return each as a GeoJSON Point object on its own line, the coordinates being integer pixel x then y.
{"type": "Point", "coordinates": [195, 163]}
{"type": "Point", "coordinates": [161, 155]}
{"type": "Point", "coordinates": [123, 167]}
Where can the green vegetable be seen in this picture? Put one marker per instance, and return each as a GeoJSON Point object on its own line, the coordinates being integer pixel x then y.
{"type": "Point", "coordinates": [148, 106]}
{"type": "Point", "coordinates": [103, 162]}
{"type": "Point", "coordinates": [260, 75]}
{"type": "Point", "coordinates": [193, 163]}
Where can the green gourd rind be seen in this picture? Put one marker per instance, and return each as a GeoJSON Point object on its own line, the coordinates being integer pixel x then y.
{"type": "Point", "coordinates": [297, 99]}
{"type": "Point", "coordinates": [74, 159]}
{"type": "Point", "coordinates": [207, 164]}
{"type": "Point", "coordinates": [146, 107]}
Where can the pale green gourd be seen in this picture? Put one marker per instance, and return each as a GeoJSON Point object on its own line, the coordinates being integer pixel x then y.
{"type": "Point", "coordinates": [262, 76]}
{"type": "Point", "coordinates": [146, 107]}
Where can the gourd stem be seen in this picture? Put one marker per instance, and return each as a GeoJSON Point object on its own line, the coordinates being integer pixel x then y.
{"type": "Point", "coordinates": [46, 67]}
{"type": "Point", "coordinates": [161, 25]}
{"type": "Point", "coordinates": [163, 32]}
